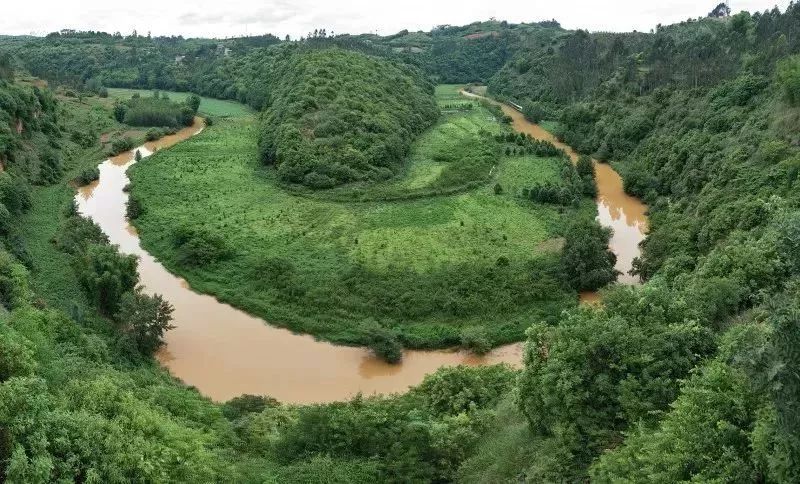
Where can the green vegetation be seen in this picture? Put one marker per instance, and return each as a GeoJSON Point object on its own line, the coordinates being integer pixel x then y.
{"type": "Point", "coordinates": [690, 377]}
{"type": "Point", "coordinates": [456, 155]}
{"type": "Point", "coordinates": [76, 383]}
{"type": "Point", "coordinates": [208, 106]}
{"type": "Point", "coordinates": [337, 117]}
{"type": "Point", "coordinates": [157, 110]}
{"type": "Point", "coordinates": [423, 269]}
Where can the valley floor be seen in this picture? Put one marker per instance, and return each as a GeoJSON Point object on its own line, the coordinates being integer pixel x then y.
{"type": "Point", "coordinates": [425, 267]}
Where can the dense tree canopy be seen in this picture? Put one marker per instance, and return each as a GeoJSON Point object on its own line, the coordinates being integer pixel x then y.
{"type": "Point", "coordinates": [337, 117]}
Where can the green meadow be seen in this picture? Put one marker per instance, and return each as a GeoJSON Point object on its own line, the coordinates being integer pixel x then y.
{"type": "Point", "coordinates": [427, 267]}
{"type": "Point", "coordinates": [208, 106]}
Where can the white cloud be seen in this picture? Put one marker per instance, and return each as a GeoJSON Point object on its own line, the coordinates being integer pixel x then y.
{"type": "Point", "coordinates": [207, 18]}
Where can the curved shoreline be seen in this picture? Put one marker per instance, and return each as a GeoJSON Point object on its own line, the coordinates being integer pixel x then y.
{"type": "Point", "coordinates": [625, 215]}
{"type": "Point", "coordinates": [225, 352]}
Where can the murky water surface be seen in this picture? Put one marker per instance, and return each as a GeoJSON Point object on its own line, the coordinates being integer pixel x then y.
{"type": "Point", "coordinates": [624, 214]}
{"type": "Point", "coordinates": [225, 352]}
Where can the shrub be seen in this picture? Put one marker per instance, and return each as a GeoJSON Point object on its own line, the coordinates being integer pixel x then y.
{"type": "Point", "coordinates": [87, 176]}
{"type": "Point", "coordinates": [199, 247]}
{"type": "Point", "coordinates": [476, 339]}
{"type": "Point", "coordinates": [153, 134]}
{"type": "Point", "coordinates": [119, 145]}
{"type": "Point", "coordinates": [383, 342]}
{"type": "Point", "coordinates": [14, 288]}
{"type": "Point", "coordinates": [133, 208]}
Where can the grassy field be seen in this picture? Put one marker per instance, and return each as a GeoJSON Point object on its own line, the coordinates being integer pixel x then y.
{"type": "Point", "coordinates": [209, 106]}
{"type": "Point", "coordinates": [426, 267]}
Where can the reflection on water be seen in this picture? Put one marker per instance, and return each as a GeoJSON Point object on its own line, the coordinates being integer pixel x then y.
{"type": "Point", "coordinates": [624, 214]}
{"type": "Point", "coordinates": [225, 352]}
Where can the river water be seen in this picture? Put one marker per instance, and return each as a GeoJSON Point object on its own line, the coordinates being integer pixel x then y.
{"type": "Point", "coordinates": [225, 352]}
{"type": "Point", "coordinates": [625, 215]}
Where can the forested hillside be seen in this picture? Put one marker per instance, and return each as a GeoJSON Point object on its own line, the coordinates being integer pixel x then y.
{"type": "Point", "coordinates": [336, 117]}
{"type": "Point", "coordinates": [701, 119]}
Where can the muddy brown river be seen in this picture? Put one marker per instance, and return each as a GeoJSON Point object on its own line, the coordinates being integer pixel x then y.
{"type": "Point", "coordinates": [625, 215]}
{"type": "Point", "coordinates": [225, 352]}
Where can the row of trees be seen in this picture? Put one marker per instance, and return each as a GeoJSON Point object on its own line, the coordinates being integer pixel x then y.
{"type": "Point", "coordinates": [157, 110]}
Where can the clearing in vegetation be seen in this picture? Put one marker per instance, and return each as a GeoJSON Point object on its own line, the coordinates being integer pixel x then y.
{"type": "Point", "coordinates": [208, 106]}
{"type": "Point", "coordinates": [427, 268]}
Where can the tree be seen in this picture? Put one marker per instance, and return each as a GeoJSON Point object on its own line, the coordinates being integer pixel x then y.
{"type": "Point", "coordinates": [720, 11]}
{"type": "Point", "coordinates": [585, 166]}
{"type": "Point", "coordinates": [193, 101]}
{"type": "Point", "coordinates": [119, 112]}
{"type": "Point", "coordinates": [106, 275]}
{"type": "Point", "coordinates": [586, 260]}
{"type": "Point", "coordinates": [6, 67]}
{"type": "Point", "coordinates": [789, 79]}
{"type": "Point", "coordinates": [144, 319]}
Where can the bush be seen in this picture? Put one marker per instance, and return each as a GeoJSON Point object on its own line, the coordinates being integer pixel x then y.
{"type": "Point", "coordinates": [383, 342]}
{"type": "Point", "coordinates": [78, 233]}
{"type": "Point", "coordinates": [238, 407]}
{"type": "Point", "coordinates": [120, 145]}
{"type": "Point", "coordinates": [14, 287]}
{"type": "Point", "coordinates": [133, 208]}
{"type": "Point", "coordinates": [154, 134]}
{"type": "Point", "coordinates": [199, 247]}
{"type": "Point", "coordinates": [476, 339]}
{"type": "Point", "coordinates": [50, 168]}
{"type": "Point", "coordinates": [87, 176]}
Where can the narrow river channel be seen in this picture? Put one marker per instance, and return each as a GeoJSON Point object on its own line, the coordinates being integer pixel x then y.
{"type": "Point", "coordinates": [225, 352]}
{"type": "Point", "coordinates": [625, 215]}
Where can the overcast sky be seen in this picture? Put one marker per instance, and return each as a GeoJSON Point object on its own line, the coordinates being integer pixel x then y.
{"type": "Point", "coordinates": [226, 18]}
